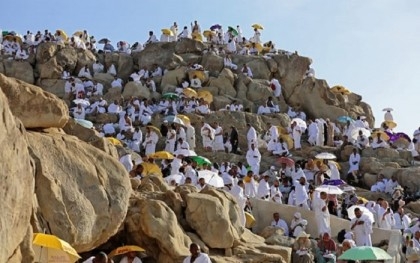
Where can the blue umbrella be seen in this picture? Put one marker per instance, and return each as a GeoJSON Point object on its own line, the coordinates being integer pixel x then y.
{"type": "Point", "coordinates": [216, 26]}
{"type": "Point", "coordinates": [344, 119]}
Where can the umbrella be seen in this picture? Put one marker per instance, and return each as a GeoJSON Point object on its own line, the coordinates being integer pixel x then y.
{"type": "Point", "coordinates": [258, 46]}
{"type": "Point", "coordinates": [114, 141]}
{"type": "Point", "coordinates": [355, 133]}
{"type": "Point", "coordinates": [167, 32]}
{"type": "Point", "coordinates": [151, 168]}
{"type": "Point", "coordinates": [208, 33]}
{"type": "Point", "coordinates": [286, 160]}
{"type": "Point", "coordinates": [162, 155]}
{"type": "Point", "coordinates": [174, 177]}
{"type": "Point", "coordinates": [205, 95]}
{"type": "Point", "coordinates": [79, 33]}
{"type": "Point", "coordinates": [85, 123]}
{"type": "Point", "coordinates": [154, 129]}
{"type": "Point", "coordinates": [184, 118]}
{"type": "Point", "coordinates": [175, 119]}
{"type": "Point", "coordinates": [198, 73]}
{"type": "Point", "coordinates": [200, 160]}
{"type": "Point", "coordinates": [345, 119]}
{"type": "Point", "coordinates": [329, 189]}
{"type": "Point", "coordinates": [233, 31]}
{"type": "Point", "coordinates": [181, 117]}
{"type": "Point", "coordinates": [125, 249]}
{"type": "Point", "coordinates": [104, 41]}
{"type": "Point", "coordinates": [288, 140]}
{"type": "Point", "coordinates": [216, 26]}
{"type": "Point", "coordinates": [337, 182]}
{"type": "Point", "coordinates": [62, 34]}
{"type": "Point", "coordinates": [300, 123]}
{"type": "Point", "coordinates": [81, 101]}
{"type": "Point", "coordinates": [338, 89]}
{"type": "Point", "coordinates": [351, 215]}
{"type": "Point", "coordinates": [189, 153]}
{"type": "Point", "coordinates": [282, 130]}
{"type": "Point", "coordinates": [399, 135]}
{"type": "Point", "coordinates": [348, 188]}
{"type": "Point", "coordinates": [170, 95]}
{"type": "Point", "coordinates": [197, 36]}
{"type": "Point", "coordinates": [365, 253]}
{"type": "Point", "coordinates": [389, 124]}
{"type": "Point", "coordinates": [49, 248]}
{"type": "Point", "coordinates": [325, 156]}
{"type": "Point", "coordinates": [258, 26]}
{"type": "Point", "coordinates": [388, 109]}
{"type": "Point", "coordinates": [383, 136]}
{"type": "Point", "coordinates": [15, 38]}
{"type": "Point", "coordinates": [211, 178]}
{"type": "Point", "coordinates": [189, 93]}
{"type": "Point", "coordinates": [249, 220]}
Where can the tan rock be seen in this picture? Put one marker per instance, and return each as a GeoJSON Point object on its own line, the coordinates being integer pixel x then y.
{"type": "Point", "coordinates": [33, 106]}
{"type": "Point", "coordinates": [224, 84]}
{"type": "Point", "coordinates": [258, 92]}
{"type": "Point", "coordinates": [173, 77]}
{"type": "Point", "coordinates": [291, 69]}
{"type": "Point", "coordinates": [105, 79]}
{"type": "Point", "coordinates": [409, 177]}
{"type": "Point", "coordinates": [370, 179]}
{"type": "Point", "coordinates": [113, 94]}
{"type": "Point", "coordinates": [191, 58]}
{"type": "Point", "coordinates": [16, 186]}
{"type": "Point", "coordinates": [83, 202]}
{"type": "Point", "coordinates": [20, 70]}
{"type": "Point", "coordinates": [258, 65]}
{"type": "Point", "coordinates": [371, 165]}
{"type": "Point", "coordinates": [270, 231]}
{"type": "Point", "coordinates": [67, 57]}
{"type": "Point", "coordinates": [125, 66]}
{"type": "Point", "coordinates": [187, 45]}
{"type": "Point", "coordinates": [162, 54]}
{"type": "Point", "coordinates": [50, 69]}
{"type": "Point", "coordinates": [46, 51]}
{"type": "Point", "coordinates": [84, 57]}
{"type": "Point", "coordinates": [220, 102]}
{"type": "Point", "coordinates": [54, 86]}
{"type": "Point", "coordinates": [212, 63]}
{"type": "Point", "coordinates": [137, 90]}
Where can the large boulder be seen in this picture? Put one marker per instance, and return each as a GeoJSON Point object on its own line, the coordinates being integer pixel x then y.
{"type": "Point", "coordinates": [105, 79]}
{"type": "Point", "coordinates": [258, 92]}
{"type": "Point", "coordinates": [68, 57]}
{"type": "Point", "coordinates": [208, 216]}
{"type": "Point", "coordinates": [54, 86]}
{"type": "Point", "coordinates": [136, 89]}
{"type": "Point", "coordinates": [258, 65]}
{"type": "Point", "coordinates": [291, 69]}
{"type": "Point", "coordinates": [82, 193]}
{"type": "Point", "coordinates": [152, 225]}
{"type": "Point", "coordinates": [33, 106]}
{"type": "Point", "coordinates": [173, 77]}
{"type": "Point", "coordinates": [187, 45]}
{"type": "Point", "coordinates": [125, 66]}
{"type": "Point", "coordinates": [224, 84]}
{"type": "Point", "coordinates": [20, 70]}
{"type": "Point", "coordinates": [212, 63]}
{"type": "Point", "coordinates": [162, 54]}
{"type": "Point", "coordinates": [16, 188]}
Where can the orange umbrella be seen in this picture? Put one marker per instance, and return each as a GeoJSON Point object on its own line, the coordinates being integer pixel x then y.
{"type": "Point", "coordinates": [189, 93]}
{"type": "Point", "coordinates": [338, 89]}
{"type": "Point", "coordinates": [205, 95]}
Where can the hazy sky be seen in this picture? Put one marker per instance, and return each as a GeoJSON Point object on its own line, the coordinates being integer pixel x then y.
{"type": "Point", "coordinates": [371, 47]}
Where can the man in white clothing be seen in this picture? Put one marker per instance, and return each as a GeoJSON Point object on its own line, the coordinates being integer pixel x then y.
{"type": "Point", "coordinates": [185, 33]}
{"type": "Point", "coordinates": [152, 38]}
{"type": "Point", "coordinates": [114, 107]}
{"type": "Point", "coordinates": [218, 138]}
{"type": "Point", "coordinates": [388, 115]}
{"type": "Point", "coordinates": [253, 158]}
{"type": "Point", "coordinates": [238, 192]}
{"type": "Point", "coordinates": [246, 71]}
{"type": "Point", "coordinates": [79, 112]}
{"type": "Point", "coordinates": [131, 257]}
{"type": "Point", "coordinates": [354, 162]}
{"type": "Point", "coordinates": [361, 226]}
{"type": "Point", "coordinates": [84, 72]}
{"type": "Point", "coordinates": [190, 133]}
{"type": "Point", "coordinates": [301, 193]}
{"type": "Point", "coordinates": [313, 132]}
{"type": "Point", "coordinates": [402, 221]}
{"type": "Point", "coordinates": [97, 67]}
{"type": "Point", "coordinates": [117, 83]}
{"type": "Point", "coordinates": [274, 135]}
{"type": "Point", "coordinates": [263, 191]}
{"type": "Point", "coordinates": [251, 136]}
{"type": "Point", "coordinates": [174, 29]}
{"type": "Point", "coordinates": [296, 134]}
{"type": "Point", "coordinates": [386, 217]}
{"type": "Point", "coordinates": [281, 148]}
{"type": "Point", "coordinates": [196, 256]}
{"type": "Point", "coordinates": [280, 223]}
{"type": "Point", "coordinates": [275, 192]}
{"type": "Point", "coordinates": [227, 62]}
{"type": "Point", "coordinates": [276, 87]}
{"type": "Point", "coordinates": [322, 215]}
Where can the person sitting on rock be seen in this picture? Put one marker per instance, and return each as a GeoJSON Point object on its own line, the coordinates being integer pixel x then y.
{"type": "Point", "coordinates": [195, 82]}
{"type": "Point", "coordinates": [65, 74]}
{"type": "Point", "coordinates": [112, 70]}
{"type": "Point", "coordinates": [203, 108]}
{"type": "Point", "coordinates": [157, 72]}
{"type": "Point", "coordinates": [378, 142]}
{"type": "Point", "coordinates": [272, 106]}
{"type": "Point", "coordinates": [246, 71]}
{"type": "Point", "coordinates": [326, 249]}
{"type": "Point", "coordinates": [297, 225]}
{"type": "Point", "coordinates": [310, 73]}
{"type": "Point", "coordinates": [380, 185]}
{"type": "Point", "coordinates": [85, 72]}
{"type": "Point", "coordinates": [152, 38]}
{"type": "Point", "coordinates": [253, 50]}
{"type": "Point", "coordinates": [97, 67]}
{"type": "Point", "coordinates": [362, 141]}
{"type": "Point", "coordinates": [196, 256]}
{"type": "Point", "coordinates": [280, 223]}
{"type": "Point", "coordinates": [227, 62]}
{"type": "Point", "coordinates": [280, 148]}
{"type": "Point", "coordinates": [231, 46]}
{"type": "Point", "coordinates": [79, 112]}
{"type": "Point", "coordinates": [302, 249]}
{"type": "Point", "coordinates": [263, 109]}
{"type": "Point", "coordinates": [21, 55]}
{"type": "Point", "coordinates": [98, 88]}
{"type": "Point", "coordinates": [150, 83]}
{"type": "Point", "coordinates": [291, 112]}
{"type": "Point", "coordinates": [117, 83]}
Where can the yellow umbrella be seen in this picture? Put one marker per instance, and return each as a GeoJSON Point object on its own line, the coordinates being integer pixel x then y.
{"type": "Point", "coordinates": [162, 155]}
{"type": "Point", "coordinates": [197, 36]}
{"type": "Point", "coordinates": [78, 33]}
{"type": "Point", "coordinates": [167, 32]}
{"type": "Point", "coordinates": [199, 73]}
{"type": "Point", "coordinates": [282, 130]}
{"type": "Point", "coordinates": [49, 248]}
{"type": "Point", "coordinates": [338, 89]}
{"type": "Point", "coordinates": [266, 49]}
{"type": "Point", "coordinates": [208, 33]}
{"type": "Point", "coordinates": [364, 200]}
{"type": "Point", "coordinates": [384, 136]}
{"type": "Point", "coordinates": [15, 38]}
{"type": "Point", "coordinates": [205, 95]}
{"type": "Point", "coordinates": [258, 46]}
{"type": "Point", "coordinates": [151, 168]}
{"type": "Point", "coordinates": [114, 141]}
{"type": "Point", "coordinates": [258, 26]}
{"type": "Point", "coordinates": [125, 249]}
{"type": "Point", "coordinates": [155, 129]}
{"type": "Point", "coordinates": [287, 139]}
{"type": "Point", "coordinates": [249, 220]}
{"type": "Point", "coordinates": [389, 124]}
{"type": "Point", "coordinates": [184, 118]}
{"type": "Point", "coordinates": [63, 34]}
{"type": "Point", "coordinates": [188, 92]}
{"type": "Point", "coordinates": [330, 161]}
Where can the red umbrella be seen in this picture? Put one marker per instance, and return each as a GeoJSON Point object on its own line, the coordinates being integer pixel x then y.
{"type": "Point", "coordinates": [286, 160]}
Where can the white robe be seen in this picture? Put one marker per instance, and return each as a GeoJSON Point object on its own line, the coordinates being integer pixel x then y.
{"type": "Point", "coordinates": [386, 221]}
{"type": "Point", "coordinates": [190, 136]}
{"type": "Point", "coordinates": [136, 260]}
{"type": "Point", "coordinates": [322, 217]}
{"type": "Point", "coordinates": [313, 132]}
{"type": "Point", "coordinates": [297, 133]}
{"type": "Point", "coordinates": [202, 258]}
{"type": "Point", "coordinates": [126, 162]}
{"type": "Point", "coordinates": [354, 161]}
{"type": "Point", "coordinates": [276, 194]}
{"type": "Point", "coordinates": [250, 189]}
{"type": "Point", "coordinates": [388, 116]}
{"type": "Point", "coordinates": [170, 141]}
{"type": "Point", "coordinates": [263, 189]}
{"type": "Point", "coordinates": [277, 86]}
{"type": "Point", "coordinates": [362, 232]}
{"type": "Point", "coordinates": [301, 195]}
{"type": "Point", "coordinates": [281, 224]}
{"type": "Point", "coordinates": [274, 135]}
{"type": "Point", "coordinates": [218, 140]}
{"type": "Point", "coordinates": [251, 136]}
{"type": "Point", "coordinates": [150, 142]}
{"type": "Point", "coordinates": [207, 134]}
{"type": "Point", "coordinates": [253, 158]}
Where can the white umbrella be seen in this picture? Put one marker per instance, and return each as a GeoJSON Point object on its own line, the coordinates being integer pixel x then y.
{"type": "Point", "coordinates": [300, 123]}
{"type": "Point", "coordinates": [348, 188]}
{"type": "Point", "coordinates": [178, 120]}
{"type": "Point", "coordinates": [351, 215]}
{"type": "Point", "coordinates": [355, 133]}
{"type": "Point", "coordinates": [189, 153]}
{"type": "Point", "coordinates": [325, 156]}
{"type": "Point", "coordinates": [329, 189]}
{"type": "Point", "coordinates": [388, 109]}
{"type": "Point", "coordinates": [211, 178]}
{"type": "Point", "coordinates": [84, 103]}
{"type": "Point", "coordinates": [174, 177]}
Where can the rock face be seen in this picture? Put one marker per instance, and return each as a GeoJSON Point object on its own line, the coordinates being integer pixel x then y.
{"type": "Point", "coordinates": [33, 106]}
{"type": "Point", "coordinates": [16, 188]}
{"type": "Point", "coordinates": [83, 202]}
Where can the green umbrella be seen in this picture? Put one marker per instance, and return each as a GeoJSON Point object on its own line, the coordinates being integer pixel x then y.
{"type": "Point", "coordinates": [232, 31]}
{"type": "Point", "coordinates": [170, 95]}
{"type": "Point", "coordinates": [365, 253]}
{"type": "Point", "coordinates": [200, 160]}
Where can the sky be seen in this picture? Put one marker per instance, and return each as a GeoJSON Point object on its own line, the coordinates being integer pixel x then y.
{"type": "Point", "coordinates": [370, 47]}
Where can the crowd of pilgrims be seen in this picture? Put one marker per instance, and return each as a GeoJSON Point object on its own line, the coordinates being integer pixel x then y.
{"type": "Point", "coordinates": [287, 182]}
